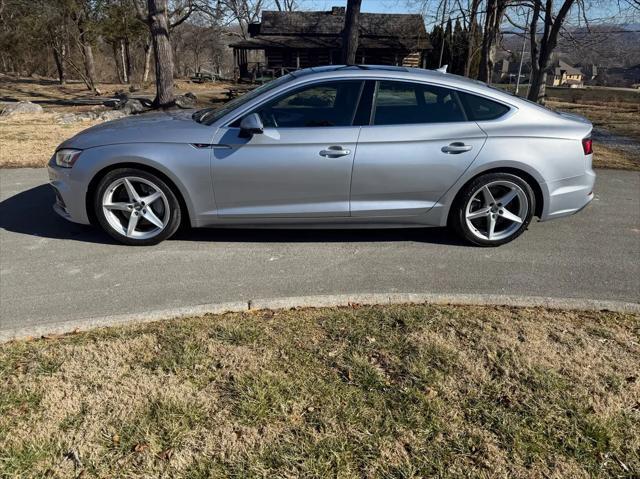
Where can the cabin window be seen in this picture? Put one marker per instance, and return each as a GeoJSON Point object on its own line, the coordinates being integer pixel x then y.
{"type": "Point", "coordinates": [482, 109]}
{"type": "Point", "coordinates": [318, 105]}
{"type": "Point", "coordinates": [401, 103]}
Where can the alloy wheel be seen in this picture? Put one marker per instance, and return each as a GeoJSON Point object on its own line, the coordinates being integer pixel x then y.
{"type": "Point", "coordinates": [496, 210]}
{"type": "Point", "coordinates": [136, 208]}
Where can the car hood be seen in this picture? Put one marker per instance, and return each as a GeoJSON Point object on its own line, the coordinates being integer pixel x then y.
{"type": "Point", "coordinates": [158, 127]}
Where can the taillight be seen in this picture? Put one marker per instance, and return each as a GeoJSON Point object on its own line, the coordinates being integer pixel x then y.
{"type": "Point", "coordinates": [587, 146]}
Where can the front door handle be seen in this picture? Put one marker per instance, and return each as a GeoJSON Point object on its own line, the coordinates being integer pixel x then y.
{"type": "Point", "coordinates": [335, 152]}
{"type": "Point", "coordinates": [456, 147]}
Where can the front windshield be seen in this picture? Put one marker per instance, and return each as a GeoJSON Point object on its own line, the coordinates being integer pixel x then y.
{"type": "Point", "coordinates": [208, 116]}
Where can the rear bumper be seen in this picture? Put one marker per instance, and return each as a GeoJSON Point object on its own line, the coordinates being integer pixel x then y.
{"type": "Point", "coordinates": [70, 194]}
{"type": "Point", "coordinates": [569, 196]}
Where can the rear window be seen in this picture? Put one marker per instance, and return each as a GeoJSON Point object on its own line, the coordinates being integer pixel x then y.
{"type": "Point", "coordinates": [482, 109]}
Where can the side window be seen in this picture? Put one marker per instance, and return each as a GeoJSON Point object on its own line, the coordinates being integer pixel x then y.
{"type": "Point", "coordinates": [482, 109]}
{"type": "Point", "coordinates": [324, 104]}
{"type": "Point", "coordinates": [401, 103]}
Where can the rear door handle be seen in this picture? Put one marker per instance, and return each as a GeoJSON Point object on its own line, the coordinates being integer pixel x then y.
{"type": "Point", "coordinates": [456, 147]}
{"type": "Point", "coordinates": [335, 152]}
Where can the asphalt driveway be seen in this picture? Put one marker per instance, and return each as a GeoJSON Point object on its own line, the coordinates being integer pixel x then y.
{"type": "Point", "coordinates": [52, 271]}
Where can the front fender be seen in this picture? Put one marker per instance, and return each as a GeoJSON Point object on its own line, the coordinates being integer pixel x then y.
{"type": "Point", "coordinates": [186, 166]}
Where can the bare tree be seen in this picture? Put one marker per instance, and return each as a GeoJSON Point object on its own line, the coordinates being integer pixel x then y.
{"type": "Point", "coordinates": [542, 46]}
{"type": "Point", "coordinates": [81, 16]}
{"type": "Point", "coordinates": [286, 5]}
{"type": "Point", "coordinates": [244, 12]}
{"type": "Point", "coordinates": [350, 32]}
{"type": "Point", "coordinates": [160, 22]}
{"type": "Point", "coordinates": [491, 35]}
{"type": "Point", "coordinates": [471, 36]}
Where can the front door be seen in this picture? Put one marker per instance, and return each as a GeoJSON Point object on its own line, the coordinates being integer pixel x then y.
{"type": "Point", "coordinates": [416, 147]}
{"type": "Point", "coordinates": [300, 166]}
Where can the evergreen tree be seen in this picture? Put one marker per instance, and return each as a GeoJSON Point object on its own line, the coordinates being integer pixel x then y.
{"type": "Point", "coordinates": [458, 49]}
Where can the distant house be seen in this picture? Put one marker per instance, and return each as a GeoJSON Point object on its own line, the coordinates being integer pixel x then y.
{"type": "Point", "coordinates": [293, 40]}
{"type": "Point", "coordinates": [563, 74]}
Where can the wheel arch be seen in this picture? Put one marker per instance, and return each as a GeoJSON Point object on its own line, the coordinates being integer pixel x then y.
{"type": "Point", "coordinates": [526, 176]}
{"type": "Point", "coordinates": [95, 180]}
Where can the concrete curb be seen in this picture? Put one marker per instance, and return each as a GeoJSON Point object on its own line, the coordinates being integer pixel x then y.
{"type": "Point", "coordinates": [318, 302]}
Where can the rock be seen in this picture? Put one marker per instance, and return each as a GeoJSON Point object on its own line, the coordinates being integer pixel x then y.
{"type": "Point", "coordinates": [186, 101]}
{"type": "Point", "coordinates": [131, 106]}
{"type": "Point", "coordinates": [20, 108]}
{"type": "Point", "coordinates": [112, 115]}
{"type": "Point", "coordinates": [108, 115]}
{"type": "Point", "coordinates": [66, 118]}
{"type": "Point", "coordinates": [191, 95]}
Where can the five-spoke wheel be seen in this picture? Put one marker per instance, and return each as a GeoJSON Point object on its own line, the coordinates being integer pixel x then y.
{"type": "Point", "coordinates": [494, 209]}
{"type": "Point", "coordinates": [136, 207]}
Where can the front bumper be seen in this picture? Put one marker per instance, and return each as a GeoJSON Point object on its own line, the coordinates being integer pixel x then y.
{"type": "Point", "coordinates": [569, 196]}
{"type": "Point", "coordinates": [70, 194]}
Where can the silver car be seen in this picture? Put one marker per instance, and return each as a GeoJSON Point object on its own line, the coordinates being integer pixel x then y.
{"type": "Point", "coordinates": [333, 147]}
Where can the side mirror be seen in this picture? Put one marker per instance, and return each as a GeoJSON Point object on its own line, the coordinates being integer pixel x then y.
{"type": "Point", "coordinates": [251, 125]}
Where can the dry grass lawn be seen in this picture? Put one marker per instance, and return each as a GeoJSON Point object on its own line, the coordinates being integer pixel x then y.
{"type": "Point", "coordinates": [400, 391]}
{"type": "Point", "coordinates": [30, 140]}
{"type": "Point", "coordinates": [618, 118]}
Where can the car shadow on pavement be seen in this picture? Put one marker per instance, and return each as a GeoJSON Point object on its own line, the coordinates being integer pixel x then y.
{"type": "Point", "coordinates": [30, 212]}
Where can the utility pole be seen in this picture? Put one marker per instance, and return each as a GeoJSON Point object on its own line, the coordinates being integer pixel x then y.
{"type": "Point", "coordinates": [524, 44]}
{"type": "Point", "coordinates": [444, 10]}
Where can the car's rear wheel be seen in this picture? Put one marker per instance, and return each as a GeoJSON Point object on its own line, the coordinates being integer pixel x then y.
{"type": "Point", "coordinates": [136, 207]}
{"type": "Point", "coordinates": [494, 209]}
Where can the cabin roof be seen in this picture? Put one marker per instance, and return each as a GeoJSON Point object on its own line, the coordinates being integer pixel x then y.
{"type": "Point", "coordinates": [322, 30]}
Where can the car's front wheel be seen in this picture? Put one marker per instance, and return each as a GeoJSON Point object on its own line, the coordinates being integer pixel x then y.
{"type": "Point", "coordinates": [136, 207]}
{"type": "Point", "coordinates": [493, 209]}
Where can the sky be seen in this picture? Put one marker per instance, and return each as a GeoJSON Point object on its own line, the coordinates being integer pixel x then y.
{"type": "Point", "coordinates": [599, 10]}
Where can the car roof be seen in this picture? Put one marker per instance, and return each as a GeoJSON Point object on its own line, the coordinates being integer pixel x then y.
{"type": "Point", "coordinates": [405, 73]}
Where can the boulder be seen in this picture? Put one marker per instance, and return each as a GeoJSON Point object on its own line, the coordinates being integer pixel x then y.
{"type": "Point", "coordinates": [111, 115]}
{"type": "Point", "coordinates": [187, 100]}
{"type": "Point", "coordinates": [131, 106]}
{"type": "Point", "coordinates": [20, 108]}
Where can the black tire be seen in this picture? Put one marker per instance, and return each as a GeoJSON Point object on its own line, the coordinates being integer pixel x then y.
{"type": "Point", "coordinates": [458, 220]}
{"type": "Point", "coordinates": [172, 214]}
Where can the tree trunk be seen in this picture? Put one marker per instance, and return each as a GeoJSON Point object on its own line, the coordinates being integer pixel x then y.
{"type": "Point", "coordinates": [486, 53]}
{"type": "Point", "coordinates": [58, 56]}
{"type": "Point", "coordinates": [127, 58]}
{"type": "Point", "coordinates": [147, 61]}
{"type": "Point", "coordinates": [87, 53]}
{"type": "Point", "coordinates": [90, 67]}
{"type": "Point", "coordinates": [123, 62]}
{"type": "Point", "coordinates": [541, 54]}
{"type": "Point", "coordinates": [116, 59]}
{"type": "Point", "coordinates": [159, 27]}
{"type": "Point", "coordinates": [350, 32]}
{"type": "Point", "coordinates": [471, 39]}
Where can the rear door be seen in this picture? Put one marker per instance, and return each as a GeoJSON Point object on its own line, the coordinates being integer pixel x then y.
{"type": "Point", "coordinates": [417, 144]}
{"type": "Point", "coordinates": [301, 165]}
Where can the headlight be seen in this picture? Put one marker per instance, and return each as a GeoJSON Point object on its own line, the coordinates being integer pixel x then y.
{"type": "Point", "coordinates": [66, 158]}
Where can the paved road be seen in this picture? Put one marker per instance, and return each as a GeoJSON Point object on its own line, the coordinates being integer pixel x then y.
{"type": "Point", "coordinates": [52, 271]}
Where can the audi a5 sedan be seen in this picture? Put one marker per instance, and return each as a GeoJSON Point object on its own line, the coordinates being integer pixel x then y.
{"type": "Point", "coordinates": [333, 147]}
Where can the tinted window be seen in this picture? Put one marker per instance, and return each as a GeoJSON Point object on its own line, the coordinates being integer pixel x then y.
{"type": "Point", "coordinates": [398, 103]}
{"type": "Point", "coordinates": [325, 104]}
{"type": "Point", "coordinates": [481, 109]}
